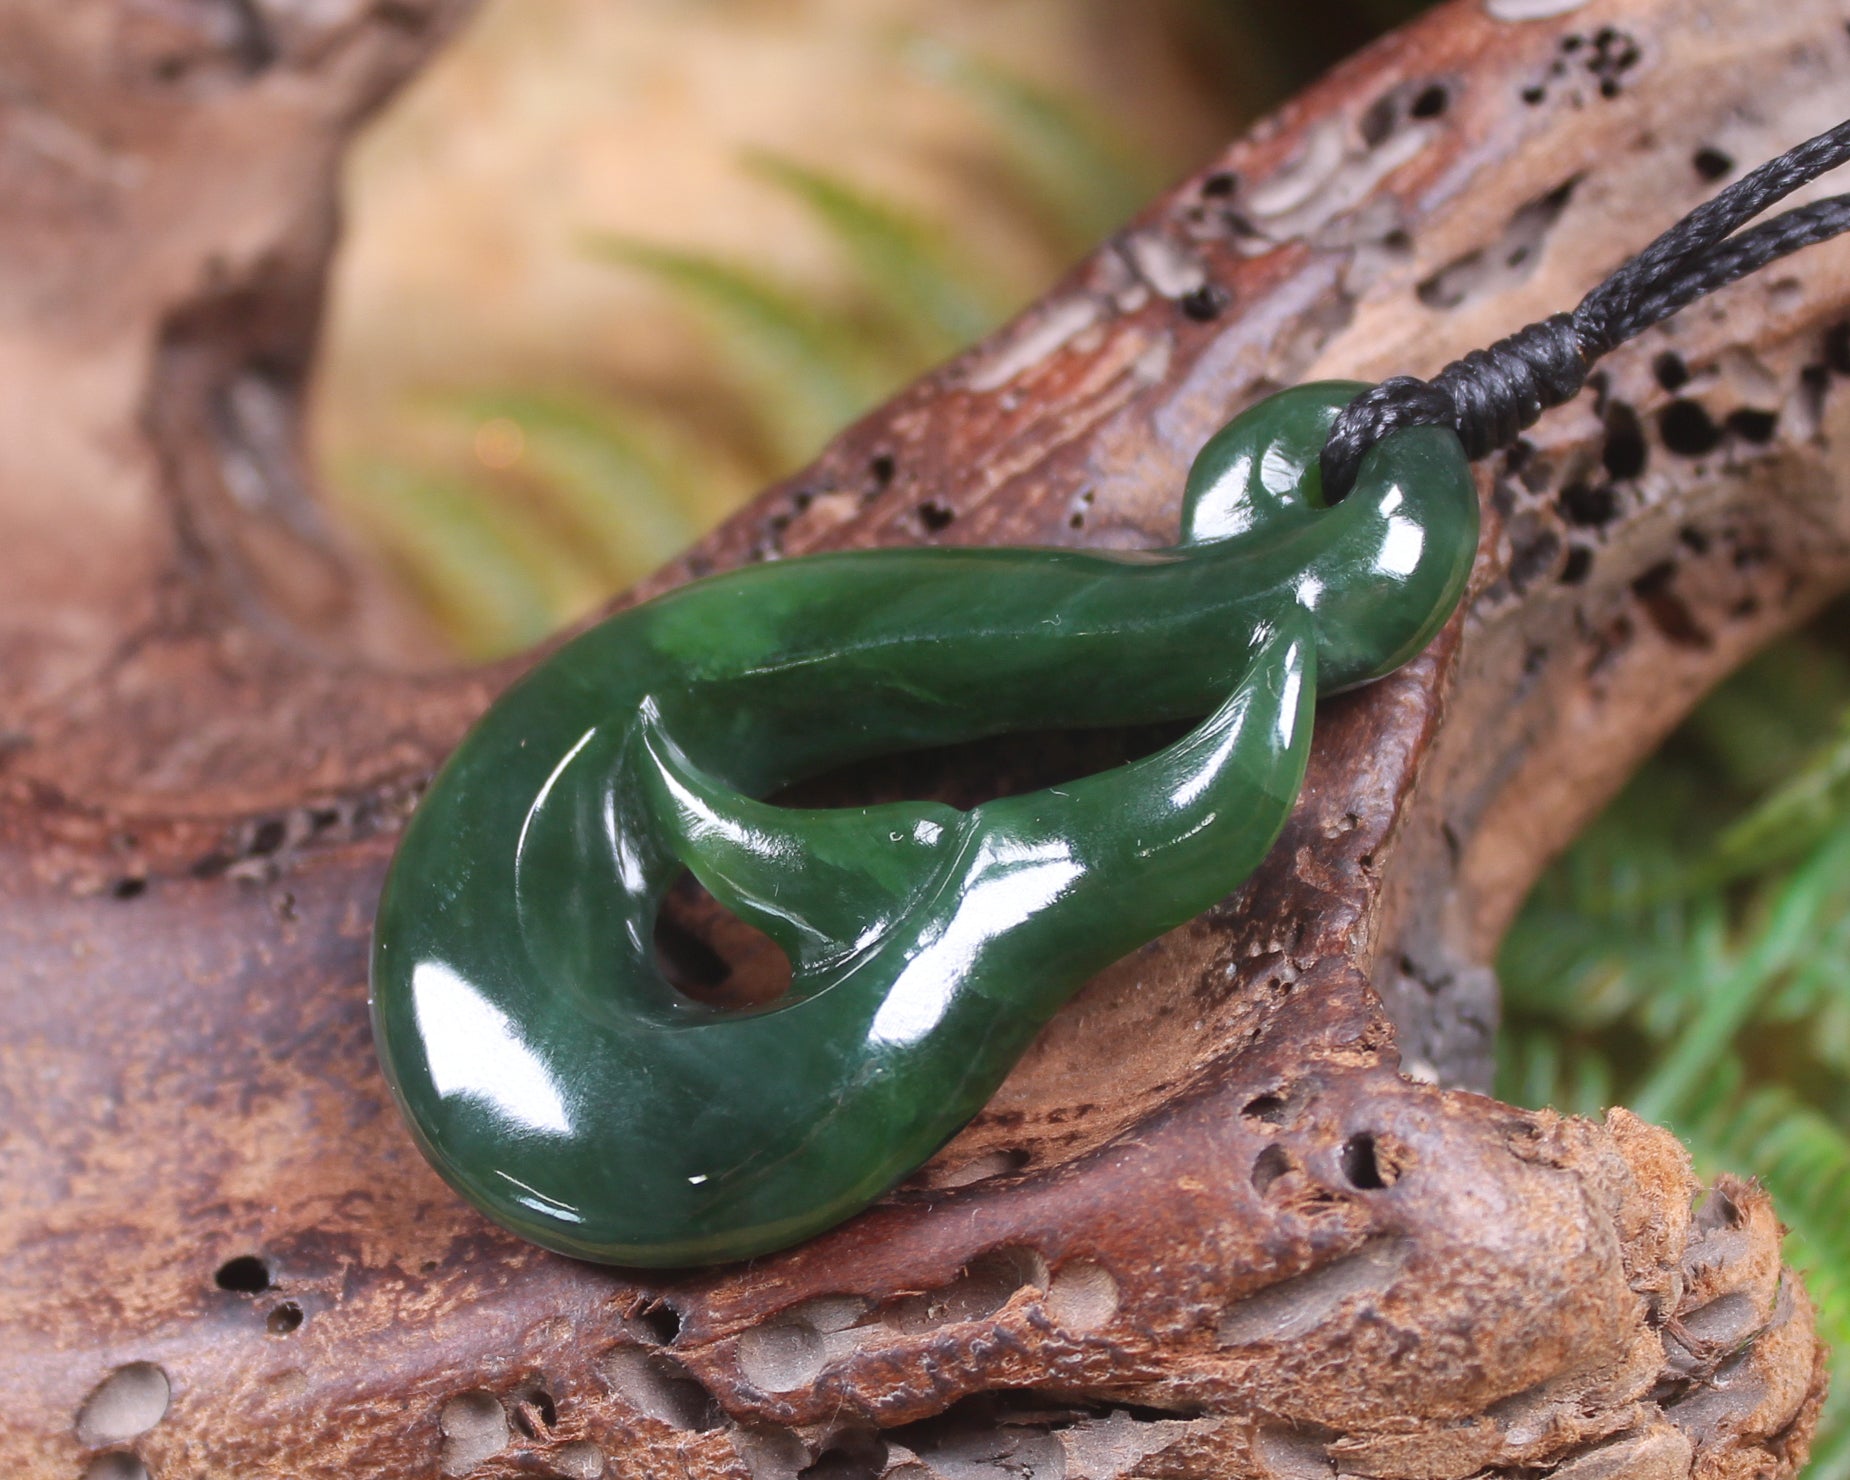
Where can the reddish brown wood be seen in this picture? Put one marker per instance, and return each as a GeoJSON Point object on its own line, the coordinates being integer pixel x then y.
{"type": "Point", "coordinates": [1240, 1212]}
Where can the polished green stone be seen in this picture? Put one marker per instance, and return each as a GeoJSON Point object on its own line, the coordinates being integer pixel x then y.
{"type": "Point", "coordinates": [565, 1087]}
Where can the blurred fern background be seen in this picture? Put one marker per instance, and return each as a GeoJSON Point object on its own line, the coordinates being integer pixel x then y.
{"type": "Point", "coordinates": [613, 268]}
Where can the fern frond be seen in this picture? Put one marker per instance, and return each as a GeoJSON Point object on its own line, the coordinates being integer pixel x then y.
{"type": "Point", "coordinates": [1794, 817]}
{"type": "Point", "coordinates": [488, 571]}
{"type": "Point", "coordinates": [1786, 931]}
{"type": "Point", "coordinates": [625, 493]}
{"type": "Point", "coordinates": [1083, 173]}
{"type": "Point", "coordinates": [937, 300]}
{"type": "Point", "coordinates": [808, 371]}
{"type": "Point", "coordinates": [1762, 725]}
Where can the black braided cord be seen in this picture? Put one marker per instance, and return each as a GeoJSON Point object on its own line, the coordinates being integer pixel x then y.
{"type": "Point", "coordinates": [1492, 395]}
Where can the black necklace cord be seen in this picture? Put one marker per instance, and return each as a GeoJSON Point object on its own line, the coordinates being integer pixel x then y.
{"type": "Point", "coordinates": [1490, 396]}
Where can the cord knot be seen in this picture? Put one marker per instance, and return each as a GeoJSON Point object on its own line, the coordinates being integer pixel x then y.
{"type": "Point", "coordinates": [1488, 398]}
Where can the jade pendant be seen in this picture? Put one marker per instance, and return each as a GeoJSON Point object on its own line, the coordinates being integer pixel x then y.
{"type": "Point", "coordinates": [565, 1087]}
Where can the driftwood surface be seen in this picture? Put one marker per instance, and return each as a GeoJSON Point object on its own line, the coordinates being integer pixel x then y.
{"type": "Point", "coordinates": [1243, 1211]}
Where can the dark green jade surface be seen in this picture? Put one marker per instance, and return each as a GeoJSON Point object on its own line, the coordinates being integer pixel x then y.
{"type": "Point", "coordinates": [565, 1087]}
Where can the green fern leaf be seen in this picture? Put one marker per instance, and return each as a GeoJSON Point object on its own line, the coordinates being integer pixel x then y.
{"type": "Point", "coordinates": [1077, 167]}
{"type": "Point", "coordinates": [917, 279]}
{"type": "Point", "coordinates": [623, 493]}
{"type": "Point", "coordinates": [489, 572]}
{"type": "Point", "coordinates": [807, 370]}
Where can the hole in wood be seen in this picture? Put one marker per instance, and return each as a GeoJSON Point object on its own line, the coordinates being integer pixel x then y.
{"type": "Point", "coordinates": [474, 1428]}
{"type": "Point", "coordinates": [986, 1284]}
{"type": "Point", "coordinates": [1589, 506]}
{"type": "Point", "coordinates": [1753, 425]}
{"type": "Point", "coordinates": [655, 1384]}
{"type": "Point", "coordinates": [1626, 451]}
{"type": "Point", "coordinates": [1271, 1164]}
{"type": "Point", "coordinates": [116, 1465]}
{"type": "Point", "coordinates": [535, 1413]}
{"type": "Point", "coordinates": [662, 1321]}
{"type": "Point", "coordinates": [579, 1460]}
{"type": "Point", "coordinates": [849, 1457]}
{"type": "Point", "coordinates": [1362, 1165]}
{"type": "Point", "coordinates": [1687, 429]}
{"type": "Point", "coordinates": [130, 1401]}
{"type": "Point", "coordinates": [1082, 1295]}
{"type": "Point", "coordinates": [244, 1275]}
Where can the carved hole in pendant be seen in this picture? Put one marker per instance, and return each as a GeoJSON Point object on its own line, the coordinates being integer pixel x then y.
{"type": "Point", "coordinates": [712, 955]}
{"type": "Point", "coordinates": [976, 771]}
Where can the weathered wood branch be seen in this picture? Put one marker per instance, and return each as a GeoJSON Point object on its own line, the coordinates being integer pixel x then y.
{"type": "Point", "coordinates": [1239, 1213]}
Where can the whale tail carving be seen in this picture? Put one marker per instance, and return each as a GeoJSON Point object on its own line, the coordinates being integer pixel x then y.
{"type": "Point", "coordinates": [1114, 858]}
{"type": "Point", "coordinates": [818, 881]}
{"type": "Point", "coordinates": [601, 1111]}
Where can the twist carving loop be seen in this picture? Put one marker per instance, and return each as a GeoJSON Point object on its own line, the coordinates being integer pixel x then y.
{"type": "Point", "coordinates": [560, 1081]}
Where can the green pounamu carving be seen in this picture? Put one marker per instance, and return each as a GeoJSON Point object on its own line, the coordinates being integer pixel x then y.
{"type": "Point", "coordinates": [565, 1087]}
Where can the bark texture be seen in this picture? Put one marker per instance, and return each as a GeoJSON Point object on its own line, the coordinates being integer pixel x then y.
{"type": "Point", "coordinates": [1242, 1211]}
